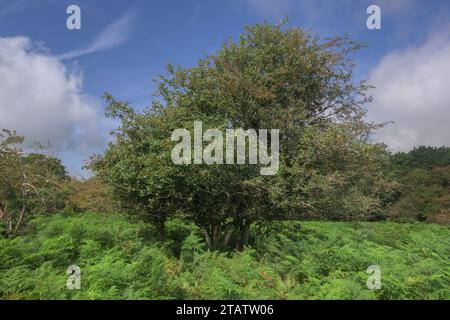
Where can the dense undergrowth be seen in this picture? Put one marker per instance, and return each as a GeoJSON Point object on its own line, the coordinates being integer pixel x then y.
{"type": "Point", "coordinates": [121, 259]}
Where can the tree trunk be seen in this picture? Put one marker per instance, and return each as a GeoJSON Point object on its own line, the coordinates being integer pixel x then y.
{"type": "Point", "coordinates": [243, 235]}
{"type": "Point", "coordinates": [161, 228]}
{"type": "Point", "coordinates": [228, 237]}
{"type": "Point", "coordinates": [19, 222]}
{"type": "Point", "coordinates": [207, 236]}
{"type": "Point", "coordinates": [218, 237]}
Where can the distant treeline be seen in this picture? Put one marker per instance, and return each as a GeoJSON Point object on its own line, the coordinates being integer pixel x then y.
{"type": "Point", "coordinates": [424, 194]}
{"type": "Point", "coordinates": [421, 158]}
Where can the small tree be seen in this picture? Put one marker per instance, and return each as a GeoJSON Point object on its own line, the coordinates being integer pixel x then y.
{"type": "Point", "coordinates": [272, 78]}
{"type": "Point", "coordinates": [29, 184]}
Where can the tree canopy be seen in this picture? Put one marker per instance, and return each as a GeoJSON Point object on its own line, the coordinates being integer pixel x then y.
{"type": "Point", "coordinates": [273, 77]}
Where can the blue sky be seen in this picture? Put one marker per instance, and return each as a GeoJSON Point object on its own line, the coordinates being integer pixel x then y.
{"type": "Point", "coordinates": [123, 45]}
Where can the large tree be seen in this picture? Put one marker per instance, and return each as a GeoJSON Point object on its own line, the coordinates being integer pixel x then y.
{"type": "Point", "coordinates": [273, 77]}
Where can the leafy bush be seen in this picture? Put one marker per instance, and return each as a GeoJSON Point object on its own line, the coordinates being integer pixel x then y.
{"type": "Point", "coordinates": [425, 196]}
{"type": "Point", "coordinates": [90, 195]}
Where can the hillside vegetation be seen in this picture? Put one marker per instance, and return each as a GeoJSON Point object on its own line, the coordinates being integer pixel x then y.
{"type": "Point", "coordinates": [336, 203]}
{"type": "Point", "coordinates": [119, 259]}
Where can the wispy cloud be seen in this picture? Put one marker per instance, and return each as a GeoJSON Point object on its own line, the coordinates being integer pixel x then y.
{"type": "Point", "coordinates": [114, 35]}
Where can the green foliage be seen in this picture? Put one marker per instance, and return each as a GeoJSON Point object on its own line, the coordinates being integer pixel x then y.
{"type": "Point", "coordinates": [424, 180]}
{"type": "Point", "coordinates": [47, 165]}
{"type": "Point", "coordinates": [307, 260]}
{"type": "Point", "coordinates": [271, 78]}
{"type": "Point", "coordinates": [90, 195]}
{"type": "Point", "coordinates": [421, 158]}
{"type": "Point", "coordinates": [425, 196]}
{"type": "Point", "coordinates": [115, 262]}
{"type": "Point", "coordinates": [29, 183]}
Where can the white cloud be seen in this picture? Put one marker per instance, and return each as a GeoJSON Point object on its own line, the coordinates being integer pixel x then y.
{"type": "Point", "coordinates": [412, 89]}
{"type": "Point", "coordinates": [114, 35]}
{"type": "Point", "coordinates": [43, 100]}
